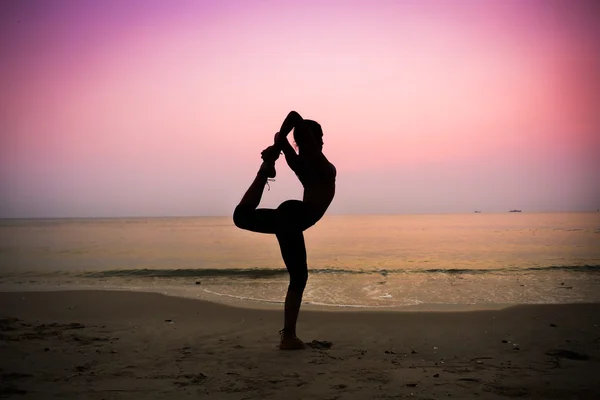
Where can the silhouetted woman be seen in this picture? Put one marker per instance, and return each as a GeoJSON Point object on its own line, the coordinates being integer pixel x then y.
{"type": "Point", "coordinates": [292, 217]}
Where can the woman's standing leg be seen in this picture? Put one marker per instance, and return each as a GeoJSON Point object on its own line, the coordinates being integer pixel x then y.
{"type": "Point", "coordinates": [293, 251]}
{"type": "Point", "coordinates": [292, 219]}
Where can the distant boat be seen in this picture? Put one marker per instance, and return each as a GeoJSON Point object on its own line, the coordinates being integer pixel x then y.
{"type": "Point", "coordinates": [515, 211]}
{"type": "Point", "coordinates": [477, 212]}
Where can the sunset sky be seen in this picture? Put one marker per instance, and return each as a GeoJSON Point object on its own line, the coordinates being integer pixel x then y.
{"type": "Point", "coordinates": [161, 108]}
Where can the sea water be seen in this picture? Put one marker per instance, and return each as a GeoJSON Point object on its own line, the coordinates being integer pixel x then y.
{"type": "Point", "coordinates": [354, 261]}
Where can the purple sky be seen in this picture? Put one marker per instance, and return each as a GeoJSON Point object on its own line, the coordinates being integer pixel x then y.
{"type": "Point", "coordinates": [160, 108]}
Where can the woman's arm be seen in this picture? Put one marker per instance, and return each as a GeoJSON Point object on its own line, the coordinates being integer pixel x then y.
{"type": "Point", "coordinates": [291, 157]}
{"type": "Point", "coordinates": [292, 120]}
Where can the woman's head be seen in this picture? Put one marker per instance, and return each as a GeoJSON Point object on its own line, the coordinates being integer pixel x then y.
{"type": "Point", "coordinates": [308, 130]}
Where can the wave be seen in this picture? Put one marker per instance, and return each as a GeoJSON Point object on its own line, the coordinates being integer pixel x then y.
{"type": "Point", "coordinates": [270, 272]}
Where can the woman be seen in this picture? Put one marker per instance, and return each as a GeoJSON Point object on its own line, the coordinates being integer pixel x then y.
{"type": "Point", "coordinates": [292, 217]}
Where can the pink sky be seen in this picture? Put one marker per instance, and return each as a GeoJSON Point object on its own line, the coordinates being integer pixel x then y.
{"type": "Point", "coordinates": [159, 108]}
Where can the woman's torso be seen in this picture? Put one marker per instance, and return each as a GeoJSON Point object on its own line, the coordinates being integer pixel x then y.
{"type": "Point", "coordinates": [317, 175]}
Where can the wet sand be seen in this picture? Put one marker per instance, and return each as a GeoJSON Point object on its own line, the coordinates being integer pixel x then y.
{"type": "Point", "coordinates": [126, 345]}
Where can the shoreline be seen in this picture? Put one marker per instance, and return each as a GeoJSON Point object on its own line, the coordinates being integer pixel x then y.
{"type": "Point", "coordinates": [126, 345]}
{"type": "Point", "coordinates": [259, 304]}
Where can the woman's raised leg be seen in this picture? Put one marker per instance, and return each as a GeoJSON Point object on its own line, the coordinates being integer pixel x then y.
{"type": "Point", "coordinates": [246, 215]}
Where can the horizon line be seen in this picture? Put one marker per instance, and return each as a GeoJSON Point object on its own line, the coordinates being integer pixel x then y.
{"type": "Point", "coordinates": [326, 215]}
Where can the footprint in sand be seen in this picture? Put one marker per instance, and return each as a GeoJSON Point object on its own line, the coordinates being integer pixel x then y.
{"type": "Point", "coordinates": [571, 355]}
{"type": "Point", "coordinates": [192, 379]}
{"type": "Point", "coordinates": [320, 344]}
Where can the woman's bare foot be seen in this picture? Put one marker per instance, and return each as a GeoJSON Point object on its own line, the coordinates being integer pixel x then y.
{"type": "Point", "coordinates": [291, 343]}
{"type": "Point", "coordinates": [269, 156]}
{"type": "Point", "coordinates": [268, 169]}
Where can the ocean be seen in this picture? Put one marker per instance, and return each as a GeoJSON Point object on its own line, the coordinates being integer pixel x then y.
{"type": "Point", "coordinates": [374, 261]}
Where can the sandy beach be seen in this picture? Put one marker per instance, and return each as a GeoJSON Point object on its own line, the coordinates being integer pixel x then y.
{"type": "Point", "coordinates": [125, 345]}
